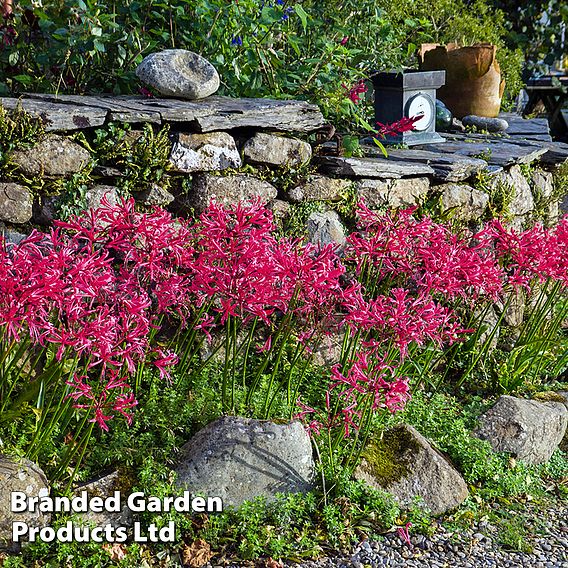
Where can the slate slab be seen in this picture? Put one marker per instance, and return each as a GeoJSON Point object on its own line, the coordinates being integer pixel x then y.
{"type": "Point", "coordinates": [205, 115]}
{"type": "Point", "coordinates": [59, 117]}
{"type": "Point", "coordinates": [526, 127]}
{"type": "Point", "coordinates": [372, 167]}
{"type": "Point", "coordinates": [447, 167]}
{"type": "Point", "coordinates": [496, 152]}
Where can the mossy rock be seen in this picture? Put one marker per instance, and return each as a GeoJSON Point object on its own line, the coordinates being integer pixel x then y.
{"type": "Point", "coordinates": [389, 458]}
{"type": "Point", "coordinates": [405, 464]}
{"type": "Point", "coordinates": [551, 396]}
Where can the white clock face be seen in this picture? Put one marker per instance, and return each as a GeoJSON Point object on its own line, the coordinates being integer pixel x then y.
{"type": "Point", "coordinates": [420, 105]}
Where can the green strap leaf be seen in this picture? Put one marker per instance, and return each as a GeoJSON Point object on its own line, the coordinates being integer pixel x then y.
{"type": "Point", "coordinates": [302, 15]}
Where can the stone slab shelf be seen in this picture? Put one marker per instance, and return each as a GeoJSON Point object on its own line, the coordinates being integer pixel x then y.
{"type": "Point", "coordinates": [386, 168]}
{"type": "Point", "coordinates": [460, 157]}
{"type": "Point", "coordinates": [74, 112]}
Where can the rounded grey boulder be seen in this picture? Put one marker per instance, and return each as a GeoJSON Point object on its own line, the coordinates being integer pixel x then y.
{"type": "Point", "coordinates": [528, 429]}
{"type": "Point", "coordinates": [25, 476]}
{"type": "Point", "coordinates": [238, 459]}
{"type": "Point", "coordinates": [179, 73]}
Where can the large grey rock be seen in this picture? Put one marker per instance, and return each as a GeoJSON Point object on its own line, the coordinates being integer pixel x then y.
{"type": "Point", "coordinates": [462, 201]}
{"type": "Point", "coordinates": [20, 475]}
{"type": "Point", "coordinates": [320, 188]}
{"type": "Point", "coordinates": [239, 459]}
{"type": "Point", "coordinates": [392, 193]}
{"type": "Point", "coordinates": [52, 156]}
{"type": "Point", "coordinates": [16, 203]}
{"type": "Point", "coordinates": [94, 195]}
{"type": "Point", "coordinates": [325, 229]}
{"type": "Point", "coordinates": [204, 152]}
{"type": "Point", "coordinates": [513, 181]}
{"type": "Point", "coordinates": [528, 429]}
{"type": "Point", "coordinates": [229, 190]}
{"type": "Point", "coordinates": [105, 487]}
{"type": "Point", "coordinates": [485, 123]}
{"type": "Point", "coordinates": [179, 73]}
{"type": "Point", "coordinates": [270, 150]}
{"type": "Point", "coordinates": [407, 466]}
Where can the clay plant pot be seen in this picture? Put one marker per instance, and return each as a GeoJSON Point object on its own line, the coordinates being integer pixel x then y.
{"type": "Point", "coordinates": [473, 78]}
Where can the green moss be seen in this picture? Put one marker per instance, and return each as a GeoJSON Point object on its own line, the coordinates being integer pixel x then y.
{"type": "Point", "coordinates": [549, 396]}
{"type": "Point", "coordinates": [389, 458]}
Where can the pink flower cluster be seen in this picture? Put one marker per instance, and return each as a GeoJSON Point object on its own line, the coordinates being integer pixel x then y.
{"type": "Point", "coordinates": [425, 255]}
{"type": "Point", "coordinates": [354, 92]}
{"type": "Point", "coordinates": [537, 254]}
{"type": "Point", "coordinates": [67, 291]}
{"type": "Point", "coordinates": [97, 288]}
{"type": "Point", "coordinates": [416, 273]}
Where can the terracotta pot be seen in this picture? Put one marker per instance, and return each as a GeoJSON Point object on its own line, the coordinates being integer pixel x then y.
{"type": "Point", "coordinates": [473, 78]}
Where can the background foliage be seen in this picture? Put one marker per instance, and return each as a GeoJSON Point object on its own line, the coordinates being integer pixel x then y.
{"type": "Point", "coordinates": [282, 48]}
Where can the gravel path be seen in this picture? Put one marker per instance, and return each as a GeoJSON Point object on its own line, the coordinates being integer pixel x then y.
{"type": "Point", "coordinates": [474, 548]}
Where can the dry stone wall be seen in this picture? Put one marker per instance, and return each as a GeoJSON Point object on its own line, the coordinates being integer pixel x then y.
{"type": "Point", "coordinates": [232, 150]}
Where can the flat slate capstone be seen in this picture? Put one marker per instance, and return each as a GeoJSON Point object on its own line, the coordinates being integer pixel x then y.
{"type": "Point", "coordinates": [179, 73]}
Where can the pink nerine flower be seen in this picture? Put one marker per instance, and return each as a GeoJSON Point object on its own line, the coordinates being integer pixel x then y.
{"type": "Point", "coordinates": [354, 92]}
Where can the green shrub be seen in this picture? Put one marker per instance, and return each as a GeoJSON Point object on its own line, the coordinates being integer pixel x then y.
{"type": "Point", "coordinates": [309, 50]}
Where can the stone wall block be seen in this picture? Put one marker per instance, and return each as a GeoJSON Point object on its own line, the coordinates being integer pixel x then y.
{"type": "Point", "coordinates": [270, 150]}
{"type": "Point", "coordinates": [54, 155]}
{"type": "Point", "coordinates": [207, 152]}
